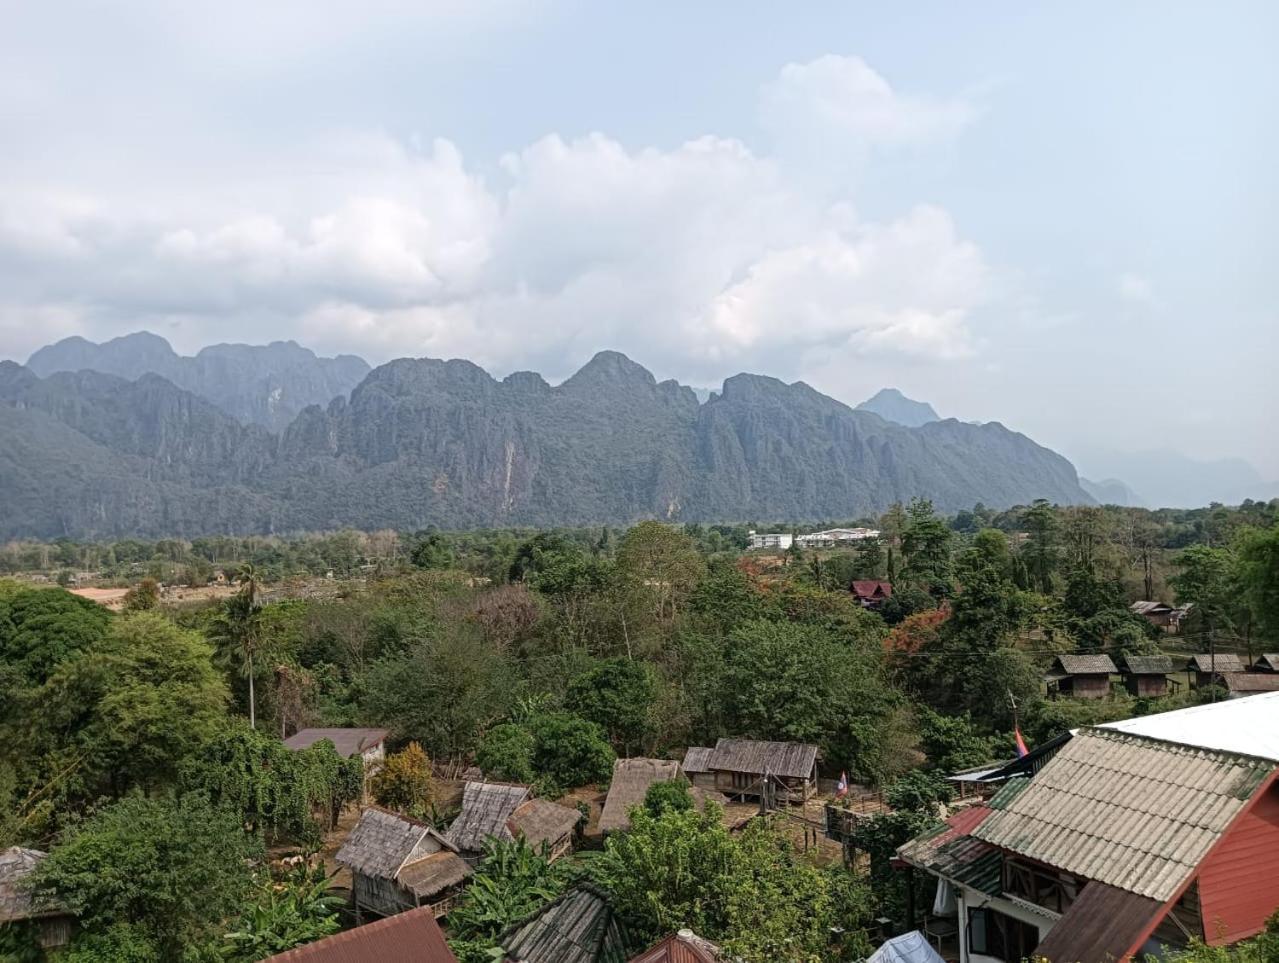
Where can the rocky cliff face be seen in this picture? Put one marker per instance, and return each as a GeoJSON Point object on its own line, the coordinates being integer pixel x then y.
{"type": "Point", "coordinates": [891, 405]}
{"type": "Point", "coordinates": [264, 385]}
{"type": "Point", "coordinates": [441, 442]}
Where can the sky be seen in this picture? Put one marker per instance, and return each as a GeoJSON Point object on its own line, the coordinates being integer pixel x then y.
{"type": "Point", "coordinates": [1063, 217]}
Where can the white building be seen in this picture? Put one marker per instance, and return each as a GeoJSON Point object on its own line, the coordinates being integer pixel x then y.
{"type": "Point", "coordinates": [777, 540]}
{"type": "Point", "coordinates": [832, 537]}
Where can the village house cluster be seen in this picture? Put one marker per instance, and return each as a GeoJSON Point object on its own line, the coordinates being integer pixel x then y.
{"type": "Point", "coordinates": [830, 538]}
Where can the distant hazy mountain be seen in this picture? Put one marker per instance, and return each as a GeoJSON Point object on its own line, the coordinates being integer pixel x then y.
{"type": "Point", "coordinates": [1112, 491]}
{"type": "Point", "coordinates": [1167, 479]}
{"type": "Point", "coordinates": [423, 442]}
{"type": "Point", "coordinates": [260, 384]}
{"type": "Point", "coordinates": [891, 405]}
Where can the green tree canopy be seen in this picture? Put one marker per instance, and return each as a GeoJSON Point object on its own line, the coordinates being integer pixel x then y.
{"type": "Point", "coordinates": [617, 695]}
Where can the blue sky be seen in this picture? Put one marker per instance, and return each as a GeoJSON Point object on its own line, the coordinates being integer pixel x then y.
{"type": "Point", "coordinates": [1062, 217]}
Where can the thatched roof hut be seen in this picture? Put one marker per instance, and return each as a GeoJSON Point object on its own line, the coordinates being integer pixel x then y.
{"type": "Point", "coordinates": [754, 757]}
{"type": "Point", "coordinates": [579, 927]}
{"type": "Point", "coordinates": [17, 903]}
{"type": "Point", "coordinates": [631, 779]}
{"type": "Point", "coordinates": [486, 807]}
{"type": "Point", "coordinates": [542, 822]}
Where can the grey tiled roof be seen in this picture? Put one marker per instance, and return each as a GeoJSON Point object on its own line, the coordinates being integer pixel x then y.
{"type": "Point", "coordinates": [1133, 812]}
{"type": "Point", "coordinates": [348, 742]}
{"type": "Point", "coordinates": [1086, 664]}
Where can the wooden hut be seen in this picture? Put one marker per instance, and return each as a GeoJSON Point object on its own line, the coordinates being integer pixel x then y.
{"type": "Point", "coordinates": [544, 824]}
{"type": "Point", "coordinates": [579, 927]}
{"type": "Point", "coordinates": [368, 744]}
{"type": "Point", "coordinates": [1205, 667]}
{"type": "Point", "coordinates": [631, 781]}
{"type": "Point", "coordinates": [747, 767]}
{"type": "Point", "coordinates": [1267, 663]}
{"type": "Point", "coordinates": [17, 904]}
{"type": "Point", "coordinates": [1146, 676]}
{"type": "Point", "coordinates": [871, 593]}
{"type": "Point", "coordinates": [1241, 684]}
{"type": "Point", "coordinates": [399, 864]}
{"type": "Point", "coordinates": [697, 767]}
{"type": "Point", "coordinates": [1080, 676]}
{"type": "Point", "coordinates": [486, 808]}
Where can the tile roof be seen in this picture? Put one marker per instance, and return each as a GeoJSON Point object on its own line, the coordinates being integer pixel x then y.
{"type": "Point", "coordinates": [1085, 664]}
{"type": "Point", "coordinates": [1224, 662]}
{"type": "Point", "coordinates": [1148, 664]}
{"type": "Point", "coordinates": [1130, 811]}
{"type": "Point", "coordinates": [348, 742]}
{"type": "Point", "coordinates": [697, 759]}
{"type": "Point", "coordinates": [787, 759]}
{"type": "Point", "coordinates": [631, 779]}
{"type": "Point", "coordinates": [1102, 924]}
{"type": "Point", "coordinates": [579, 927]}
{"type": "Point", "coordinates": [542, 821]}
{"type": "Point", "coordinates": [948, 850]}
{"type": "Point", "coordinates": [486, 806]}
{"type": "Point", "coordinates": [1249, 726]}
{"type": "Point", "coordinates": [412, 937]}
{"type": "Point", "coordinates": [868, 588]}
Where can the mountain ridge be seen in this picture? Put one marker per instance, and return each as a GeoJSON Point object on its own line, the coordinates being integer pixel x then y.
{"type": "Point", "coordinates": [431, 442]}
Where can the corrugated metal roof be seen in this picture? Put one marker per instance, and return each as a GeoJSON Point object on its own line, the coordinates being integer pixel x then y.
{"type": "Point", "coordinates": [682, 947]}
{"type": "Point", "coordinates": [1102, 924]}
{"type": "Point", "coordinates": [412, 937]}
{"type": "Point", "coordinates": [1249, 726]}
{"type": "Point", "coordinates": [579, 927]}
{"type": "Point", "coordinates": [1085, 664]}
{"type": "Point", "coordinates": [486, 807]}
{"type": "Point", "coordinates": [1133, 812]}
{"type": "Point", "coordinates": [950, 851]}
{"type": "Point", "coordinates": [348, 742]}
{"type": "Point", "coordinates": [792, 760]}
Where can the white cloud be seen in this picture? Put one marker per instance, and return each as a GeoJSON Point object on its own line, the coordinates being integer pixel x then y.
{"type": "Point", "coordinates": [701, 260]}
{"type": "Point", "coordinates": [835, 103]}
{"type": "Point", "coordinates": [1136, 289]}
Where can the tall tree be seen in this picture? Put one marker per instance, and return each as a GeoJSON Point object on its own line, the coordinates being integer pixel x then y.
{"type": "Point", "coordinates": [926, 546]}
{"type": "Point", "coordinates": [1041, 549]}
{"type": "Point", "coordinates": [1258, 575]}
{"type": "Point", "coordinates": [1204, 579]}
{"type": "Point", "coordinates": [238, 632]}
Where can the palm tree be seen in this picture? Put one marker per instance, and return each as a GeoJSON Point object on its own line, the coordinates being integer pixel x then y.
{"type": "Point", "coordinates": [238, 631]}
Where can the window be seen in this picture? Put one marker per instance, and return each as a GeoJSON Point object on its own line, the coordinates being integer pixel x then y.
{"type": "Point", "coordinates": [991, 933]}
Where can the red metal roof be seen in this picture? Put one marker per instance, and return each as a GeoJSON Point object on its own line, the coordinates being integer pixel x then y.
{"type": "Point", "coordinates": [681, 947]}
{"type": "Point", "coordinates": [869, 588]}
{"type": "Point", "coordinates": [1102, 924]}
{"type": "Point", "coordinates": [412, 937]}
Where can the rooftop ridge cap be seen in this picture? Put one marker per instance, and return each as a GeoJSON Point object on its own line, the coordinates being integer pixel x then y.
{"type": "Point", "coordinates": [1120, 734]}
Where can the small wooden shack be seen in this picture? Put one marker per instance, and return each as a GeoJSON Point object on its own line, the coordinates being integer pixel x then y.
{"type": "Point", "coordinates": [1241, 684]}
{"type": "Point", "coordinates": [748, 767]}
{"type": "Point", "coordinates": [486, 808]}
{"type": "Point", "coordinates": [630, 783]}
{"type": "Point", "coordinates": [17, 904]}
{"type": "Point", "coordinates": [399, 864]}
{"type": "Point", "coordinates": [1207, 667]}
{"type": "Point", "coordinates": [546, 826]}
{"type": "Point", "coordinates": [1158, 614]}
{"type": "Point", "coordinates": [1146, 676]}
{"type": "Point", "coordinates": [1267, 663]}
{"type": "Point", "coordinates": [697, 767]}
{"type": "Point", "coordinates": [368, 744]}
{"type": "Point", "coordinates": [1080, 676]}
{"type": "Point", "coordinates": [871, 593]}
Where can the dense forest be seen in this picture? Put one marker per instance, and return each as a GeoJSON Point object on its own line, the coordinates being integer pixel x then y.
{"type": "Point", "coordinates": [128, 754]}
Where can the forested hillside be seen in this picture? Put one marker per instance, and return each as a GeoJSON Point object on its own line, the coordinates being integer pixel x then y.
{"type": "Point", "coordinates": [540, 658]}
{"type": "Point", "coordinates": [422, 442]}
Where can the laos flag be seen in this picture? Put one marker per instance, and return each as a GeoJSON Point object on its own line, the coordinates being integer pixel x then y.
{"type": "Point", "coordinates": [842, 789]}
{"type": "Point", "coordinates": [1022, 751]}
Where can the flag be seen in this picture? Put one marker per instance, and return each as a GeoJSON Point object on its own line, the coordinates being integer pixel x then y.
{"type": "Point", "coordinates": [1022, 751]}
{"type": "Point", "coordinates": [842, 789]}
